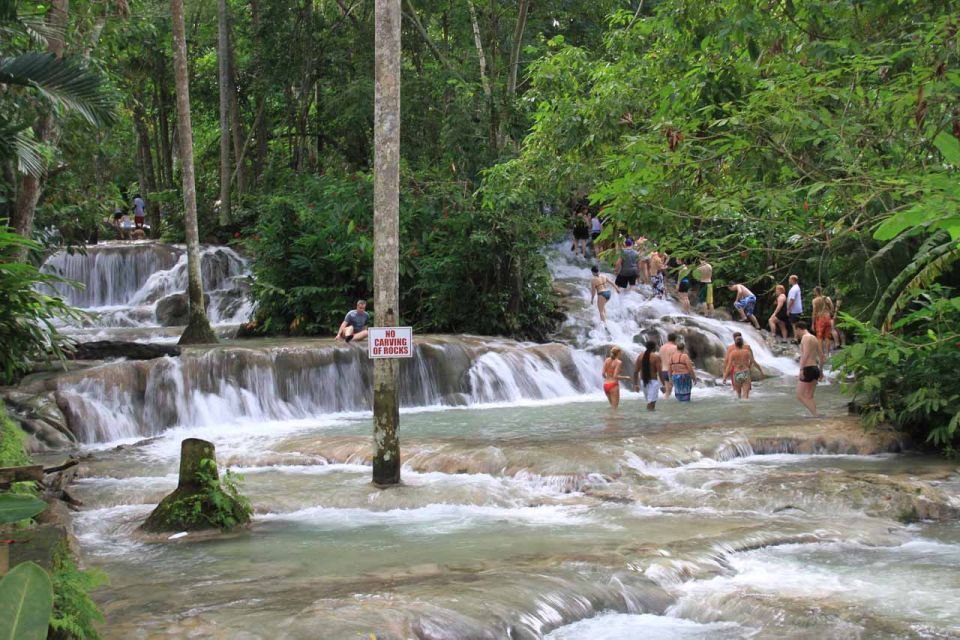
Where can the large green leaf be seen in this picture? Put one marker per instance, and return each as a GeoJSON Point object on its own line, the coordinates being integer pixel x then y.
{"type": "Point", "coordinates": [26, 601]}
{"type": "Point", "coordinates": [63, 81]}
{"type": "Point", "coordinates": [949, 147]}
{"type": "Point", "coordinates": [15, 507]}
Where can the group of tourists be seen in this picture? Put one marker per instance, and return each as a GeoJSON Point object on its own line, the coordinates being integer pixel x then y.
{"type": "Point", "coordinates": [669, 368]}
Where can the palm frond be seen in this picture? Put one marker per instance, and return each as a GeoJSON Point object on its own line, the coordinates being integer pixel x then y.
{"type": "Point", "coordinates": [30, 158]}
{"type": "Point", "coordinates": [922, 281]}
{"type": "Point", "coordinates": [62, 81]}
{"type": "Point", "coordinates": [895, 296]}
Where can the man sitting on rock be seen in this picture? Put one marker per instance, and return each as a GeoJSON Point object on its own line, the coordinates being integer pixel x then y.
{"type": "Point", "coordinates": [354, 325]}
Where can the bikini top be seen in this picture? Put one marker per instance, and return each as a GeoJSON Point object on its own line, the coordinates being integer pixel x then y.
{"type": "Point", "coordinates": [678, 361]}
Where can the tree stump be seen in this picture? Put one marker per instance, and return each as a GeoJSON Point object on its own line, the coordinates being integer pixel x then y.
{"type": "Point", "coordinates": [200, 500]}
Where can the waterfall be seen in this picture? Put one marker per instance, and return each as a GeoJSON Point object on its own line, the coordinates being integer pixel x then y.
{"type": "Point", "coordinates": [229, 384]}
{"type": "Point", "coordinates": [142, 284]}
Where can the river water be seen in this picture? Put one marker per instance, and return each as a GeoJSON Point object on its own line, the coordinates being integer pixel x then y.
{"type": "Point", "coordinates": [529, 509]}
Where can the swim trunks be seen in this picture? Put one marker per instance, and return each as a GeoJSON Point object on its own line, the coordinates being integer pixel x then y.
{"type": "Point", "coordinates": [605, 294]}
{"type": "Point", "coordinates": [651, 390]}
{"type": "Point", "coordinates": [626, 281]}
{"type": "Point", "coordinates": [747, 304]}
{"type": "Point", "coordinates": [682, 386]}
{"type": "Point", "coordinates": [740, 377]}
{"type": "Point", "coordinates": [684, 286]}
{"type": "Point", "coordinates": [810, 374]}
{"type": "Point", "coordinates": [664, 377]}
{"type": "Point", "coordinates": [824, 327]}
{"type": "Point", "coordinates": [656, 281]}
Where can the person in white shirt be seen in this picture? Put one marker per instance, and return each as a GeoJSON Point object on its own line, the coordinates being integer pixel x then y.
{"type": "Point", "coordinates": [794, 304]}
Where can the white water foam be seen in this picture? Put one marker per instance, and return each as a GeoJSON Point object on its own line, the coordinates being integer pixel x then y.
{"type": "Point", "coordinates": [618, 626]}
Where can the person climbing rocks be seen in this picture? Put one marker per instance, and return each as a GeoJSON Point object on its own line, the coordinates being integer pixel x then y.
{"type": "Point", "coordinates": [354, 325]}
{"type": "Point", "coordinates": [794, 304]}
{"type": "Point", "coordinates": [745, 303]}
{"type": "Point", "coordinates": [656, 275]}
{"type": "Point", "coordinates": [683, 373]}
{"type": "Point", "coordinates": [667, 352]}
{"type": "Point", "coordinates": [627, 265]}
{"type": "Point", "coordinates": [738, 366]}
{"type": "Point", "coordinates": [683, 285]}
{"type": "Point", "coordinates": [704, 275]}
{"type": "Point", "coordinates": [138, 211]}
{"type": "Point", "coordinates": [823, 312]}
{"type": "Point", "coordinates": [581, 232]}
{"type": "Point", "coordinates": [811, 367]}
{"type": "Point", "coordinates": [600, 289]}
{"type": "Point", "coordinates": [647, 369]}
{"type": "Point", "coordinates": [779, 321]}
{"type": "Point", "coordinates": [596, 227]}
{"type": "Point", "coordinates": [611, 376]}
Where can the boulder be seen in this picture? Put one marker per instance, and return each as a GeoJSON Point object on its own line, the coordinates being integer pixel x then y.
{"type": "Point", "coordinates": [112, 349]}
{"type": "Point", "coordinates": [174, 310]}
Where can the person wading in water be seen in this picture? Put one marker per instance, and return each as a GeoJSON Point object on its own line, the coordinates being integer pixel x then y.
{"type": "Point", "coordinates": [823, 313]}
{"type": "Point", "coordinates": [611, 377]}
{"type": "Point", "coordinates": [738, 365]}
{"type": "Point", "coordinates": [779, 318]}
{"type": "Point", "coordinates": [667, 352]}
{"type": "Point", "coordinates": [811, 367]}
{"type": "Point", "coordinates": [600, 289]}
{"type": "Point", "coordinates": [626, 267]}
{"type": "Point", "coordinates": [647, 368]}
{"type": "Point", "coordinates": [683, 374]}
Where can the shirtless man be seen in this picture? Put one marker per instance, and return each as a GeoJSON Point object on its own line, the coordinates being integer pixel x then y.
{"type": "Point", "coordinates": [667, 351]}
{"type": "Point", "coordinates": [811, 367]}
{"type": "Point", "coordinates": [656, 275]}
{"type": "Point", "coordinates": [745, 303]}
{"type": "Point", "coordinates": [705, 277]}
{"type": "Point", "coordinates": [823, 313]}
{"type": "Point", "coordinates": [738, 366]}
{"type": "Point", "coordinates": [647, 369]}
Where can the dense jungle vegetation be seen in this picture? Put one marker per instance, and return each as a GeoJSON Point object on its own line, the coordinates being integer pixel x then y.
{"type": "Point", "coordinates": [817, 137]}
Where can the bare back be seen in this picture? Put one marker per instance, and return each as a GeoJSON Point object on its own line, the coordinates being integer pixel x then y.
{"type": "Point", "coordinates": [667, 352]}
{"type": "Point", "coordinates": [809, 351]}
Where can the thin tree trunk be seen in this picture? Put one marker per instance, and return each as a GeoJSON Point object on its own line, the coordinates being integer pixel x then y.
{"type": "Point", "coordinates": [223, 68]}
{"type": "Point", "coordinates": [28, 192]}
{"type": "Point", "coordinates": [260, 124]}
{"type": "Point", "coordinates": [235, 119]}
{"type": "Point", "coordinates": [145, 173]}
{"type": "Point", "coordinates": [386, 231]}
{"type": "Point", "coordinates": [515, 45]}
{"type": "Point", "coordinates": [198, 329]}
{"type": "Point", "coordinates": [484, 78]}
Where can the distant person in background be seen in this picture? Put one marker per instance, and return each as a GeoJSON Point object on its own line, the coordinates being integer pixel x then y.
{"type": "Point", "coordinates": [794, 304]}
{"type": "Point", "coordinates": [704, 275]}
{"type": "Point", "coordinates": [745, 303]}
{"type": "Point", "coordinates": [647, 369]}
{"type": "Point", "coordinates": [811, 367]}
{"type": "Point", "coordinates": [683, 373]}
{"type": "Point", "coordinates": [581, 232]}
{"type": "Point", "coordinates": [823, 313]}
{"type": "Point", "coordinates": [683, 286]}
{"type": "Point", "coordinates": [667, 352]}
{"type": "Point", "coordinates": [596, 227]}
{"type": "Point", "coordinates": [656, 274]}
{"type": "Point", "coordinates": [627, 265]}
{"type": "Point", "coordinates": [354, 325]}
{"type": "Point", "coordinates": [779, 320]}
{"type": "Point", "coordinates": [738, 366]}
{"type": "Point", "coordinates": [839, 339]}
{"type": "Point", "coordinates": [611, 377]}
{"type": "Point", "coordinates": [138, 211]}
{"type": "Point", "coordinates": [600, 289]}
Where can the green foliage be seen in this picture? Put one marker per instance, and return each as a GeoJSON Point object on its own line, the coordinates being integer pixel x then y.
{"type": "Point", "coordinates": [15, 507]}
{"type": "Point", "coordinates": [906, 378]}
{"type": "Point", "coordinates": [217, 505]}
{"type": "Point", "coordinates": [75, 614]}
{"type": "Point", "coordinates": [27, 328]}
{"type": "Point", "coordinates": [26, 600]}
{"type": "Point", "coordinates": [13, 451]}
{"type": "Point", "coordinates": [465, 265]}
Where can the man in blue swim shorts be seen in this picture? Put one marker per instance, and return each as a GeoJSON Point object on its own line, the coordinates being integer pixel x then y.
{"type": "Point", "coordinates": [745, 303]}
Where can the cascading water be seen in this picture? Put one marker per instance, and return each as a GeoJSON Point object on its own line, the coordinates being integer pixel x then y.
{"type": "Point", "coordinates": [142, 284]}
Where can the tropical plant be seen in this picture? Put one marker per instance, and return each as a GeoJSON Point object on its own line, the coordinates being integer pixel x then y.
{"type": "Point", "coordinates": [26, 601]}
{"type": "Point", "coordinates": [75, 614]}
{"type": "Point", "coordinates": [15, 507]}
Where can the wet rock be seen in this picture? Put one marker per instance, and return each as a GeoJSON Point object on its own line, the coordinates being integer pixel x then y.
{"type": "Point", "coordinates": [112, 349]}
{"type": "Point", "coordinates": [174, 310]}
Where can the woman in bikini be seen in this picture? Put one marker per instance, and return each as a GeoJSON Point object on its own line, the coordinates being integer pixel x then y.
{"type": "Point", "coordinates": [779, 317]}
{"type": "Point", "coordinates": [682, 373]}
{"type": "Point", "coordinates": [600, 289]}
{"type": "Point", "coordinates": [611, 377]}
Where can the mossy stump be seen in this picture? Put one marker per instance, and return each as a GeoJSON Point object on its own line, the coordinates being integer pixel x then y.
{"type": "Point", "coordinates": [200, 500]}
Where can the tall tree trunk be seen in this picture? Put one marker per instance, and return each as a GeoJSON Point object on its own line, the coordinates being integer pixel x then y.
{"type": "Point", "coordinates": [166, 135]}
{"type": "Point", "coordinates": [485, 80]}
{"type": "Point", "coordinates": [522, 8]}
{"type": "Point", "coordinates": [386, 232]}
{"type": "Point", "coordinates": [235, 120]}
{"type": "Point", "coordinates": [198, 329]}
{"type": "Point", "coordinates": [223, 68]}
{"type": "Point", "coordinates": [260, 124]}
{"type": "Point", "coordinates": [28, 192]}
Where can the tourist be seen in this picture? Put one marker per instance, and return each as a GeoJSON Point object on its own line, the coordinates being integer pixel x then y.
{"type": "Point", "coordinates": [611, 377]}
{"type": "Point", "coordinates": [839, 338]}
{"type": "Point", "coordinates": [656, 274]}
{"type": "Point", "coordinates": [596, 226]}
{"type": "Point", "coordinates": [823, 313]}
{"type": "Point", "coordinates": [647, 368]}
{"type": "Point", "coordinates": [683, 287]}
{"type": "Point", "coordinates": [779, 319]}
{"type": "Point", "coordinates": [811, 366]}
{"type": "Point", "coordinates": [581, 232]}
{"type": "Point", "coordinates": [667, 352]}
{"type": "Point", "coordinates": [745, 303]}
{"type": "Point", "coordinates": [138, 206]}
{"type": "Point", "coordinates": [600, 289]}
{"type": "Point", "coordinates": [683, 374]}
{"type": "Point", "coordinates": [794, 304]}
{"type": "Point", "coordinates": [626, 267]}
{"type": "Point", "coordinates": [705, 278]}
{"type": "Point", "coordinates": [354, 325]}
{"type": "Point", "coordinates": [738, 366]}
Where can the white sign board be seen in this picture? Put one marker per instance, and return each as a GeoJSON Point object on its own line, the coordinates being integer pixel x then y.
{"type": "Point", "coordinates": [390, 342]}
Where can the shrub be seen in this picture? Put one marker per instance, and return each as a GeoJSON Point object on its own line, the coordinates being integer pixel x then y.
{"type": "Point", "coordinates": [74, 614]}
{"type": "Point", "coordinates": [907, 377]}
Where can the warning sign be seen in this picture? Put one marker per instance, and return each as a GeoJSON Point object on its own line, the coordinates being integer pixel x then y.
{"type": "Point", "coordinates": [390, 342]}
